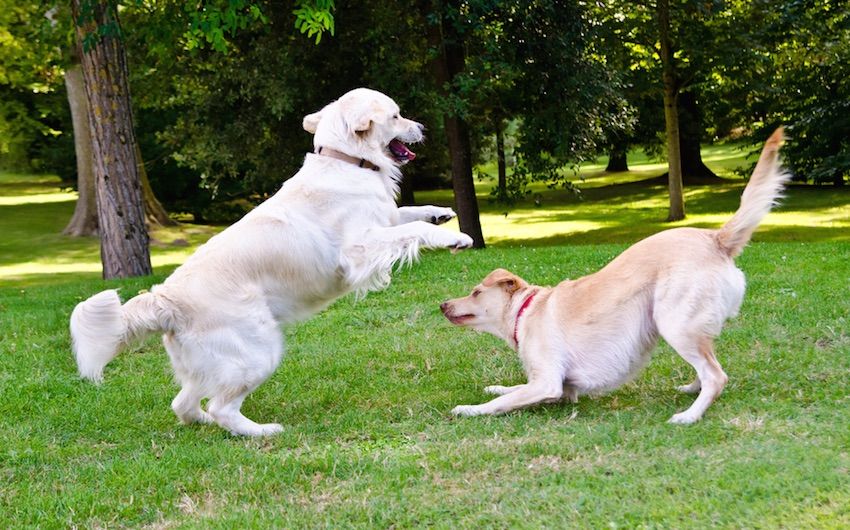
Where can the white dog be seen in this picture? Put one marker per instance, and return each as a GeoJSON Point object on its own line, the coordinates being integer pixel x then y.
{"type": "Point", "coordinates": [593, 334]}
{"type": "Point", "coordinates": [333, 228]}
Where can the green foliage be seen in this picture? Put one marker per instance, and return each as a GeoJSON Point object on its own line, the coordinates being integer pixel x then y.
{"type": "Point", "coordinates": [535, 62]}
{"type": "Point", "coordinates": [31, 105]}
{"type": "Point", "coordinates": [812, 89]}
{"type": "Point", "coordinates": [216, 22]}
{"type": "Point", "coordinates": [315, 18]}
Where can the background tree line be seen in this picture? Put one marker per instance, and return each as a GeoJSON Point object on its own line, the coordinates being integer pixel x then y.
{"type": "Point", "coordinates": [218, 87]}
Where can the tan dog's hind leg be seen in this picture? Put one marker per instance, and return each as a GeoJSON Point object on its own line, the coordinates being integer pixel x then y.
{"type": "Point", "coordinates": [692, 388]}
{"type": "Point", "coordinates": [699, 353]}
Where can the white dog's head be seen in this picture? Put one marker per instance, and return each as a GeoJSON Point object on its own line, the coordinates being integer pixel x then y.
{"type": "Point", "coordinates": [366, 124]}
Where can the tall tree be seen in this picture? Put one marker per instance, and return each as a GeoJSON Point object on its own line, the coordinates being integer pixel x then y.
{"type": "Point", "coordinates": [124, 242]}
{"type": "Point", "coordinates": [446, 36]}
{"type": "Point", "coordinates": [671, 113]}
{"type": "Point", "coordinates": [84, 220]}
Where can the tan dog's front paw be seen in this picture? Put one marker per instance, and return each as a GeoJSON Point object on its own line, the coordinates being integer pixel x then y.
{"type": "Point", "coordinates": [683, 418]}
{"type": "Point", "coordinates": [467, 410]}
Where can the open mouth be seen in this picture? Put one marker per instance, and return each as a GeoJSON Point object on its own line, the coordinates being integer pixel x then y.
{"type": "Point", "coordinates": [400, 152]}
{"type": "Point", "coordinates": [459, 319]}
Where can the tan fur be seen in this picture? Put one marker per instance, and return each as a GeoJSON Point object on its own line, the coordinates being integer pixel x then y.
{"type": "Point", "coordinates": [593, 334]}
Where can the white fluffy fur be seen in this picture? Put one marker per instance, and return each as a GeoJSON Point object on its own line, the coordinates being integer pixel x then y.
{"type": "Point", "coordinates": [593, 334]}
{"type": "Point", "coordinates": [333, 228]}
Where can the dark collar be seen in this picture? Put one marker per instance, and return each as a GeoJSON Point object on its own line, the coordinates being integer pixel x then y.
{"type": "Point", "coordinates": [359, 162]}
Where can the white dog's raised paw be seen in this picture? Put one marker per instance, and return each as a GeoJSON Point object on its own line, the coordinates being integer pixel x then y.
{"type": "Point", "coordinates": [466, 410]}
{"type": "Point", "coordinates": [442, 215]}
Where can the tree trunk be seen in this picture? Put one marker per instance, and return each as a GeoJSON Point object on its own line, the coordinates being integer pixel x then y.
{"type": "Point", "coordinates": [694, 170]}
{"type": "Point", "coordinates": [124, 244]}
{"type": "Point", "coordinates": [617, 158]}
{"type": "Point", "coordinates": [406, 197]}
{"type": "Point", "coordinates": [449, 62]}
{"type": "Point", "coordinates": [500, 159]}
{"type": "Point", "coordinates": [671, 115]}
{"type": "Point", "coordinates": [155, 214]}
{"type": "Point", "coordinates": [84, 220]}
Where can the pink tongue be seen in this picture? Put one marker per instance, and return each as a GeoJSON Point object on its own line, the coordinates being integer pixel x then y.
{"type": "Point", "coordinates": [401, 151]}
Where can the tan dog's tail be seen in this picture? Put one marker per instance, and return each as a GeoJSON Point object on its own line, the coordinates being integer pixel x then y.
{"type": "Point", "coordinates": [100, 326]}
{"type": "Point", "coordinates": [761, 194]}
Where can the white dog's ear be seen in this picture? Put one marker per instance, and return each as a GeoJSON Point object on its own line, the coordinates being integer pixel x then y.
{"type": "Point", "coordinates": [311, 121]}
{"type": "Point", "coordinates": [360, 118]}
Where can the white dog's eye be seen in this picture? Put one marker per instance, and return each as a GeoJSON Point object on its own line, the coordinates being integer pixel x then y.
{"type": "Point", "coordinates": [395, 117]}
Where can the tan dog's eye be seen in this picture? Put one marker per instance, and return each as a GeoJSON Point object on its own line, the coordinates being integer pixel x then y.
{"type": "Point", "coordinates": [475, 293]}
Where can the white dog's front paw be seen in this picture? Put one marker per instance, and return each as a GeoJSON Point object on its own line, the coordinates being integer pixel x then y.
{"type": "Point", "coordinates": [462, 241]}
{"type": "Point", "coordinates": [441, 215]}
{"type": "Point", "coordinates": [467, 410]}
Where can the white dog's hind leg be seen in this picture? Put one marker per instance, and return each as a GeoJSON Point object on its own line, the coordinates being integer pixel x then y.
{"type": "Point", "coordinates": [225, 410]}
{"type": "Point", "coordinates": [187, 405]}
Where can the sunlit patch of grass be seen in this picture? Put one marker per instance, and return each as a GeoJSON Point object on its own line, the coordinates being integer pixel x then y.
{"type": "Point", "coordinates": [58, 196]}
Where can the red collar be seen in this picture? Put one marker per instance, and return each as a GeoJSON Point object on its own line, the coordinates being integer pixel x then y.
{"type": "Point", "coordinates": [522, 309]}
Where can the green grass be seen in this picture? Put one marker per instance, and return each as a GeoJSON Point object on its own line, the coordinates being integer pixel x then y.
{"type": "Point", "coordinates": [366, 387]}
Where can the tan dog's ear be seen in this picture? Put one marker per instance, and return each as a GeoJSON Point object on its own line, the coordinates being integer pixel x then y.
{"type": "Point", "coordinates": [311, 121]}
{"type": "Point", "coordinates": [507, 280]}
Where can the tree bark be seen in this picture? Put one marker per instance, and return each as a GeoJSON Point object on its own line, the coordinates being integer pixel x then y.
{"type": "Point", "coordinates": [671, 116]}
{"type": "Point", "coordinates": [407, 197]}
{"type": "Point", "coordinates": [617, 160]}
{"type": "Point", "coordinates": [448, 62]}
{"type": "Point", "coordinates": [155, 214]}
{"type": "Point", "coordinates": [124, 243]}
{"type": "Point", "coordinates": [500, 161]}
{"type": "Point", "coordinates": [694, 170]}
{"type": "Point", "coordinates": [84, 220]}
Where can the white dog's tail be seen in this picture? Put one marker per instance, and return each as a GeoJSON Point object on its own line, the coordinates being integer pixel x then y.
{"type": "Point", "coordinates": [100, 326]}
{"type": "Point", "coordinates": [761, 194]}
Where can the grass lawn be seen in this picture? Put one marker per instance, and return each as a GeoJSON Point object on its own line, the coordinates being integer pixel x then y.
{"type": "Point", "coordinates": [366, 387]}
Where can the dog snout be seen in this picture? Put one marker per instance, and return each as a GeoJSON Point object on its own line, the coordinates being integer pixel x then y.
{"type": "Point", "coordinates": [444, 307]}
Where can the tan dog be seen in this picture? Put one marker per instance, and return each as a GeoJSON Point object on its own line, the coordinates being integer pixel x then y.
{"type": "Point", "coordinates": [593, 334]}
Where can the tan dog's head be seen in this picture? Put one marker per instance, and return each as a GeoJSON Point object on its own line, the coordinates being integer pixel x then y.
{"type": "Point", "coordinates": [365, 123]}
{"type": "Point", "coordinates": [486, 307]}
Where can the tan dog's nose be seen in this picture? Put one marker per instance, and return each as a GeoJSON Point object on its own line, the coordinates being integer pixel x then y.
{"type": "Point", "coordinates": [444, 307]}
